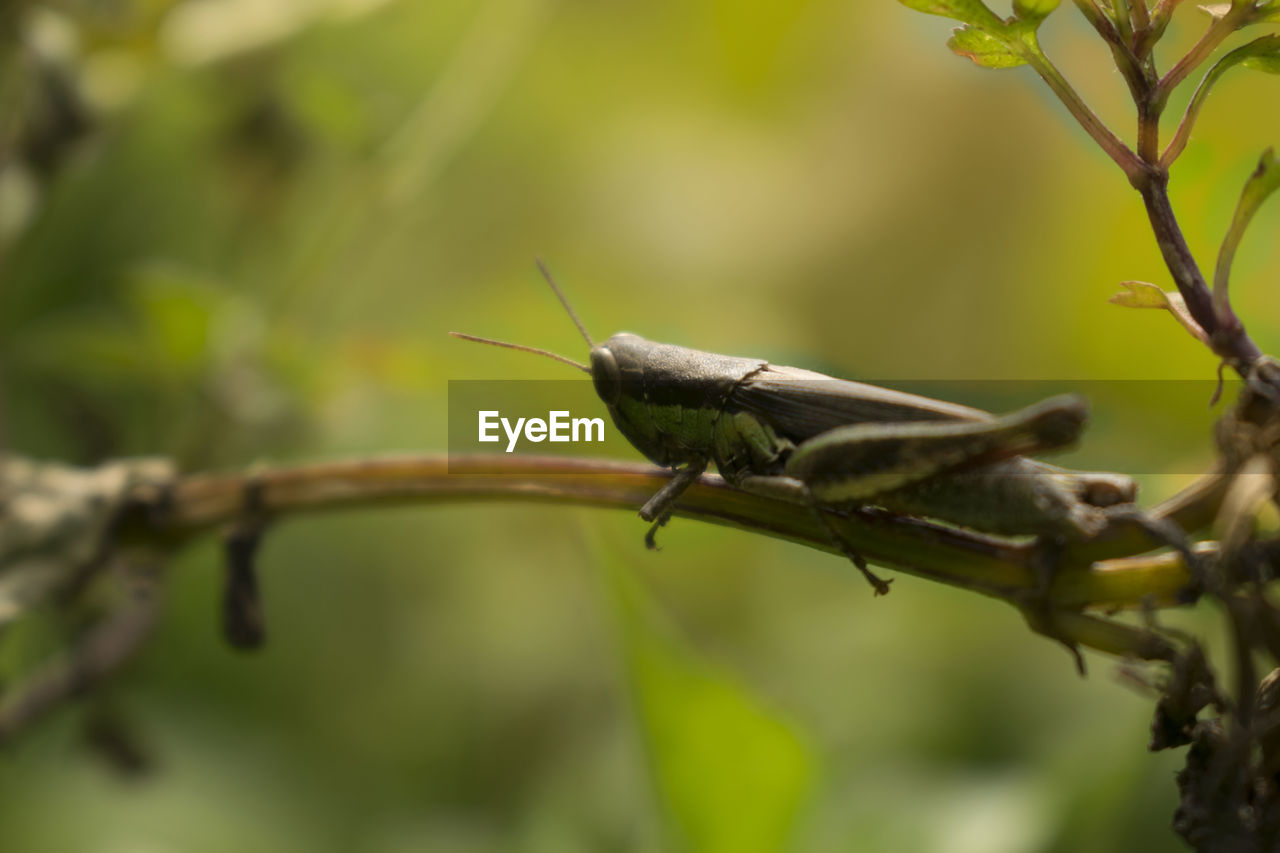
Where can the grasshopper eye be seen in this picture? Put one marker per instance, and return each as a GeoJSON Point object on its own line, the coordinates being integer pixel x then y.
{"type": "Point", "coordinates": [605, 375]}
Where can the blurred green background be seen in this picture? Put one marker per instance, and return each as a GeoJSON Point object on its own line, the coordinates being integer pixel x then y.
{"type": "Point", "coordinates": [238, 231]}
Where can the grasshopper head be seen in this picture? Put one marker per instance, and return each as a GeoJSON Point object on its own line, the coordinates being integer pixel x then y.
{"type": "Point", "coordinates": [618, 371]}
{"type": "Point", "coordinates": [617, 367]}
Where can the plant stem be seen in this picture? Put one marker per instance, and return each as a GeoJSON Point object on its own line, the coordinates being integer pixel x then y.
{"type": "Point", "coordinates": [1108, 141]}
{"type": "Point", "coordinates": [999, 567]}
{"type": "Point", "coordinates": [1148, 170]}
{"type": "Point", "coordinates": [1125, 58]}
{"type": "Point", "coordinates": [196, 504]}
{"type": "Point", "coordinates": [1140, 16]}
{"type": "Point", "coordinates": [1226, 333]}
{"type": "Point", "coordinates": [93, 659]}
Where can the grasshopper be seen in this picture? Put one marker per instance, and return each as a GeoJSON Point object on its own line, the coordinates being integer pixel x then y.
{"type": "Point", "coordinates": [834, 444]}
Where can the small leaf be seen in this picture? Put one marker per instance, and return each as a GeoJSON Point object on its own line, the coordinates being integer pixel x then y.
{"type": "Point", "coordinates": [1143, 294]}
{"type": "Point", "coordinates": [1264, 181]}
{"type": "Point", "coordinates": [1034, 10]}
{"type": "Point", "coordinates": [732, 773]}
{"type": "Point", "coordinates": [972, 12]}
{"type": "Point", "coordinates": [983, 48]}
{"type": "Point", "coordinates": [1261, 13]}
{"type": "Point", "coordinates": [1262, 54]}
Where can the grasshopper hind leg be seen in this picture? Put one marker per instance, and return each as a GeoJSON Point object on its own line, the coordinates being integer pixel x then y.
{"type": "Point", "coordinates": [878, 583]}
{"type": "Point", "coordinates": [795, 491]}
{"type": "Point", "coordinates": [1036, 607]}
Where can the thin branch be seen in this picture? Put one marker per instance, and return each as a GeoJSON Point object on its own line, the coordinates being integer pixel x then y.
{"type": "Point", "coordinates": [196, 504]}
{"type": "Point", "coordinates": [1148, 170]}
{"type": "Point", "coordinates": [1226, 333]}
{"type": "Point", "coordinates": [1164, 10]}
{"type": "Point", "coordinates": [1145, 39]}
{"type": "Point", "coordinates": [1203, 49]}
{"type": "Point", "coordinates": [1260, 48]}
{"type": "Point", "coordinates": [92, 660]}
{"type": "Point", "coordinates": [1127, 61]}
{"type": "Point", "coordinates": [1140, 16]}
{"type": "Point", "coordinates": [1123, 19]}
{"type": "Point", "coordinates": [1133, 167]}
{"type": "Point", "coordinates": [1089, 575]}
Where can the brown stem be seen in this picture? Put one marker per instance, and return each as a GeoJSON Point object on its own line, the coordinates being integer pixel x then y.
{"type": "Point", "coordinates": [1226, 333]}
{"type": "Point", "coordinates": [1148, 126]}
{"type": "Point", "coordinates": [1133, 167]}
{"type": "Point", "coordinates": [196, 504]}
{"type": "Point", "coordinates": [991, 565]}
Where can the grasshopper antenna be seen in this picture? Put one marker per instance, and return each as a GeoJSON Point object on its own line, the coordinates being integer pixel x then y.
{"type": "Point", "coordinates": [546, 273]}
{"type": "Point", "coordinates": [523, 348]}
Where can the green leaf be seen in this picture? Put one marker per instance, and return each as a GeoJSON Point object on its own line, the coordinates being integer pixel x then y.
{"type": "Point", "coordinates": [731, 774]}
{"type": "Point", "coordinates": [1262, 54]}
{"type": "Point", "coordinates": [1143, 294]}
{"type": "Point", "coordinates": [1268, 12]}
{"type": "Point", "coordinates": [1264, 181]}
{"type": "Point", "coordinates": [1034, 10]}
{"type": "Point", "coordinates": [972, 12]}
{"type": "Point", "coordinates": [983, 48]}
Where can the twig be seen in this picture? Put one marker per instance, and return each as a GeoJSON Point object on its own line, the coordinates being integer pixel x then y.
{"type": "Point", "coordinates": [103, 650]}
{"type": "Point", "coordinates": [1226, 333]}
{"type": "Point", "coordinates": [1000, 567]}
{"type": "Point", "coordinates": [1203, 49]}
{"type": "Point", "coordinates": [1133, 167]}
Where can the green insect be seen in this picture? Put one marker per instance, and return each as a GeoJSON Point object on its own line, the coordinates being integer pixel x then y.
{"type": "Point", "coordinates": [834, 444]}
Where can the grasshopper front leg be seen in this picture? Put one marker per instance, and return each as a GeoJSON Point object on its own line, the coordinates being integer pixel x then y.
{"type": "Point", "coordinates": [658, 508]}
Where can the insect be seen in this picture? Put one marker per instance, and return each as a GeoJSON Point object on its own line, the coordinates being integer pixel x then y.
{"type": "Point", "coordinates": [834, 444]}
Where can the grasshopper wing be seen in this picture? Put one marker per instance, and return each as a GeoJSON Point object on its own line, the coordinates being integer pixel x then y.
{"type": "Point", "coordinates": [801, 404]}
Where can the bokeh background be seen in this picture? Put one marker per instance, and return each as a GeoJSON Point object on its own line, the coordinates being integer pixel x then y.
{"type": "Point", "coordinates": [237, 232]}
